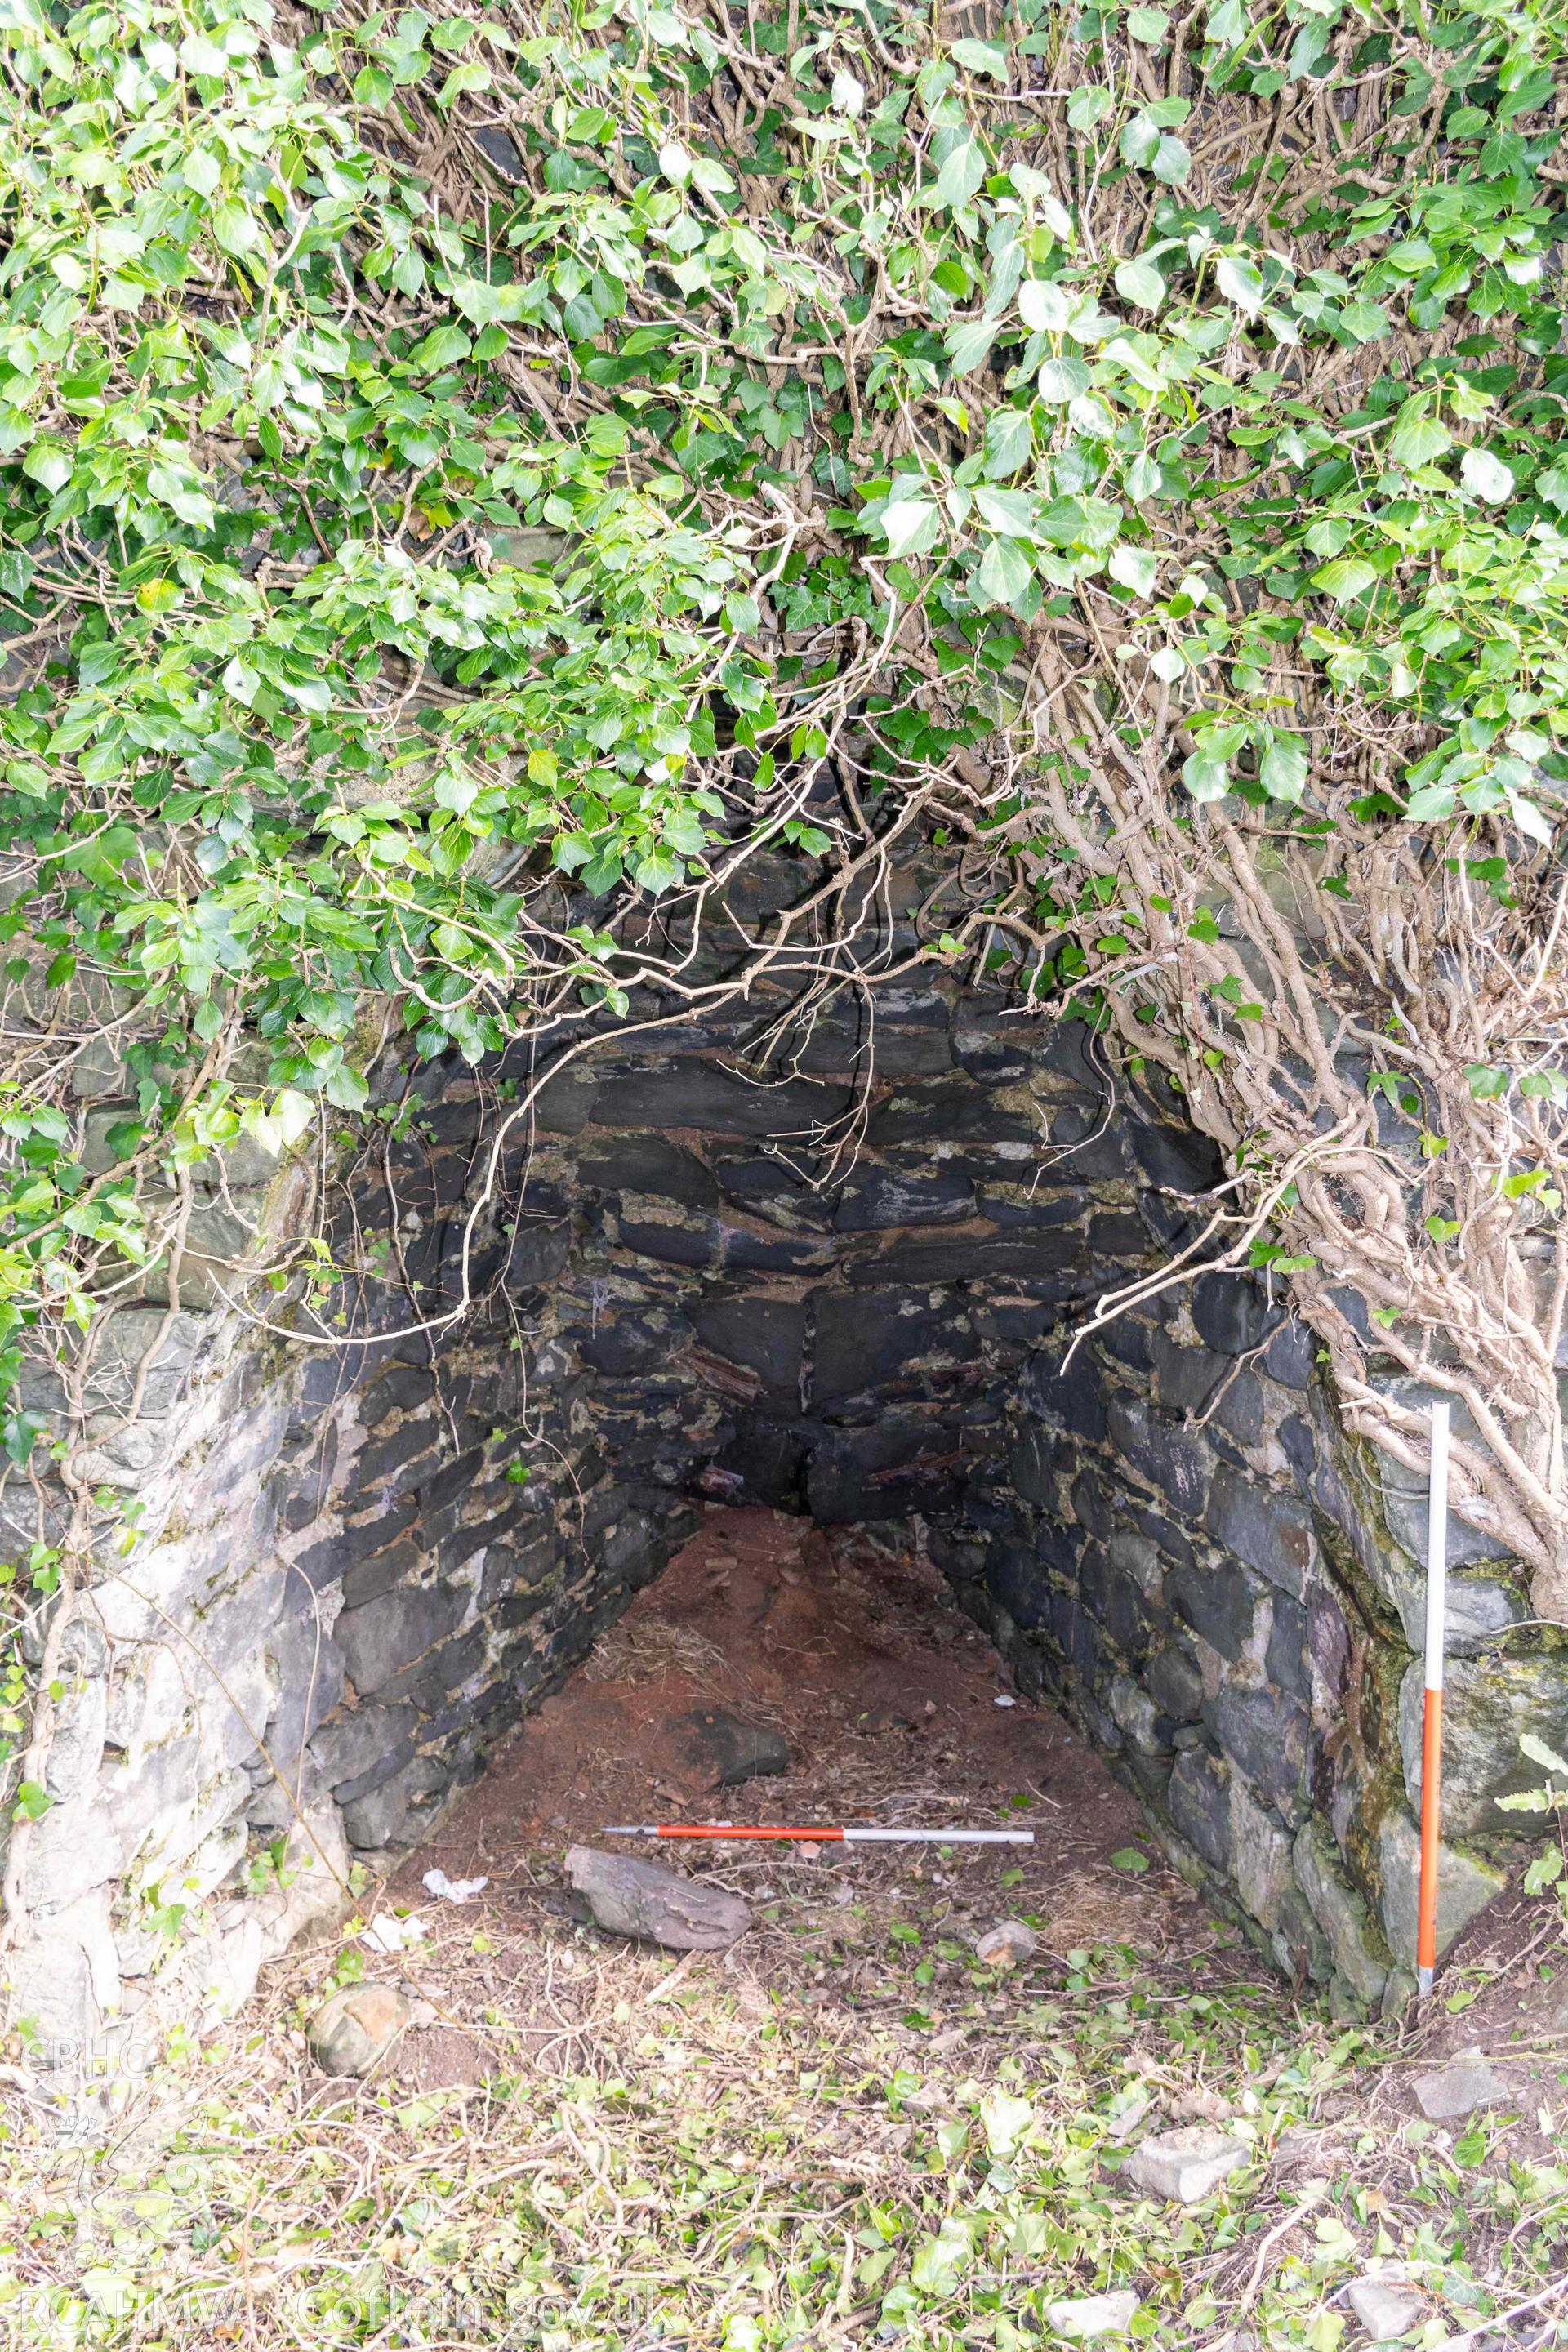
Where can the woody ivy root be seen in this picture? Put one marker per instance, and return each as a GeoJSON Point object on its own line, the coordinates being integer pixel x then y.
{"type": "Point", "coordinates": [469, 483]}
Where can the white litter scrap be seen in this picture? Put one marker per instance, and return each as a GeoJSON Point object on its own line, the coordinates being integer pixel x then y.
{"type": "Point", "coordinates": [453, 1890]}
{"type": "Point", "coordinates": [390, 1934]}
{"type": "Point", "coordinates": [1005, 1698]}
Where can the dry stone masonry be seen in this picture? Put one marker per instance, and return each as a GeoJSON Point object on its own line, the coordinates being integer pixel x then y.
{"type": "Point", "coordinates": [846, 1289]}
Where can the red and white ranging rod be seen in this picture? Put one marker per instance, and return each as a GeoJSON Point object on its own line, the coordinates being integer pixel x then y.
{"type": "Point", "coordinates": [833, 1836]}
{"type": "Point", "coordinates": [1432, 1718]}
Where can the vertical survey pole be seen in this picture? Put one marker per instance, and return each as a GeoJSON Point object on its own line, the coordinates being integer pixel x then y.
{"type": "Point", "coordinates": [1432, 1717]}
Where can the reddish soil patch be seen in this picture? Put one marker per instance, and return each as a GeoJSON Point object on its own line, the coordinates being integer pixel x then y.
{"type": "Point", "coordinates": [888, 1700]}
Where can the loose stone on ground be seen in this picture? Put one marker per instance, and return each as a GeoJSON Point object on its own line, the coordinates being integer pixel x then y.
{"type": "Point", "coordinates": [1451, 2092]}
{"type": "Point", "coordinates": [1080, 2317]}
{"type": "Point", "coordinates": [1384, 2310]}
{"type": "Point", "coordinates": [639, 1898]}
{"type": "Point", "coordinates": [1187, 2163]}
{"type": "Point", "coordinates": [1008, 1945]}
{"type": "Point", "coordinates": [355, 2030]}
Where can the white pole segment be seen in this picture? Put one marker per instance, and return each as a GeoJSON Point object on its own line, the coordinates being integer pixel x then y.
{"type": "Point", "coordinates": [1437, 1548]}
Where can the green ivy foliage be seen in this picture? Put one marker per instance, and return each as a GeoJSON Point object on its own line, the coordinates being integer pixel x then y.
{"type": "Point", "coordinates": [463, 474]}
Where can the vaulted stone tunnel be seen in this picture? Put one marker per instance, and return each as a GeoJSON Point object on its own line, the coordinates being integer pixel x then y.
{"type": "Point", "coordinates": [846, 1290]}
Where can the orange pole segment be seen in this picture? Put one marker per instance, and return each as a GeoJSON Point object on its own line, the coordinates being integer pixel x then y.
{"type": "Point", "coordinates": [1431, 1828]}
{"type": "Point", "coordinates": [731, 1829]}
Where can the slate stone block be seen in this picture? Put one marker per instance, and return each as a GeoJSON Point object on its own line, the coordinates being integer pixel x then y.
{"type": "Point", "coordinates": [1487, 1708]}
{"type": "Point", "coordinates": [706, 1095]}
{"type": "Point", "coordinates": [362, 1746]}
{"type": "Point", "coordinates": [673, 1238]}
{"type": "Point", "coordinates": [1031, 1465]}
{"type": "Point", "coordinates": [747, 1253]}
{"type": "Point", "coordinates": [364, 1580]}
{"type": "Point", "coordinates": [1267, 1733]}
{"type": "Point", "coordinates": [1178, 1159]}
{"type": "Point", "coordinates": [877, 1198]}
{"type": "Point", "coordinates": [1175, 1685]}
{"type": "Point", "coordinates": [763, 1336]}
{"type": "Point", "coordinates": [635, 1343]}
{"type": "Point", "coordinates": [1219, 1602]}
{"type": "Point", "coordinates": [382, 1636]}
{"type": "Point", "coordinates": [1178, 1462]}
{"type": "Point", "coordinates": [1272, 1531]}
{"type": "Point", "coordinates": [1089, 1144]}
{"type": "Point", "coordinates": [1290, 1356]}
{"type": "Point", "coordinates": [884, 1472]}
{"type": "Point", "coordinates": [948, 1110]}
{"type": "Point", "coordinates": [768, 1187]}
{"type": "Point", "coordinates": [862, 1341]}
{"type": "Point", "coordinates": [1015, 1578]}
{"type": "Point", "coordinates": [1234, 1314]}
{"type": "Point", "coordinates": [1286, 1660]}
{"type": "Point", "coordinates": [1071, 1398]}
{"type": "Point", "coordinates": [1199, 1800]}
{"type": "Point", "coordinates": [649, 1163]}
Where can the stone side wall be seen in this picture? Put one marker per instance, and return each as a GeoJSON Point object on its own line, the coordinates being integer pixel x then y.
{"type": "Point", "coordinates": [845, 1290]}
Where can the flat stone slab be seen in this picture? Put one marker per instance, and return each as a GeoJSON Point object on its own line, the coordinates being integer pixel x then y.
{"type": "Point", "coordinates": [1386, 2310]}
{"type": "Point", "coordinates": [1081, 2317]}
{"type": "Point", "coordinates": [1187, 2163]}
{"type": "Point", "coordinates": [640, 1898]}
{"type": "Point", "coordinates": [724, 1749]}
{"type": "Point", "coordinates": [1450, 2093]}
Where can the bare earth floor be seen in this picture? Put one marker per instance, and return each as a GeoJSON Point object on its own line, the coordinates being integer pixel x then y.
{"type": "Point", "coordinates": [889, 1701]}
{"type": "Point", "coordinates": [846, 2130]}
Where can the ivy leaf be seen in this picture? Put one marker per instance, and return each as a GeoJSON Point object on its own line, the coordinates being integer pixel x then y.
{"type": "Point", "coordinates": [1088, 106]}
{"type": "Point", "coordinates": [1061, 380]}
{"type": "Point", "coordinates": [1009, 442]}
{"type": "Point", "coordinates": [48, 464]}
{"type": "Point", "coordinates": [1348, 577]}
{"type": "Point", "coordinates": [1487, 1085]}
{"type": "Point", "coordinates": [1004, 572]}
{"type": "Point", "coordinates": [1486, 476]}
{"type": "Point", "coordinates": [441, 349]}
{"type": "Point", "coordinates": [1009, 511]}
{"type": "Point", "coordinates": [969, 341]}
{"type": "Point", "coordinates": [1205, 778]}
{"type": "Point", "coordinates": [1045, 306]}
{"type": "Point", "coordinates": [1140, 283]}
{"type": "Point", "coordinates": [1241, 282]}
{"type": "Point", "coordinates": [911, 525]}
{"type": "Point", "coordinates": [1368, 322]}
{"type": "Point", "coordinates": [1173, 160]}
{"type": "Point", "coordinates": [960, 175]}
{"type": "Point", "coordinates": [982, 57]}
{"type": "Point", "coordinates": [1137, 568]}
{"type": "Point", "coordinates": [1418, 439]}
{"type": "Point", "coordinates": [1139, 142]}
{"type": "Point", "coordinates": [1282, 771]}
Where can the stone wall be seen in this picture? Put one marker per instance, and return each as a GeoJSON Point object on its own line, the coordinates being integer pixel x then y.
{"type": "Point", "coordinates": [846, 1289]}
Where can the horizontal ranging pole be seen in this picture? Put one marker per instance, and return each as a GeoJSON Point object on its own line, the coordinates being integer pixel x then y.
{"type": "Point", "coordinates": [823, 1837]}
